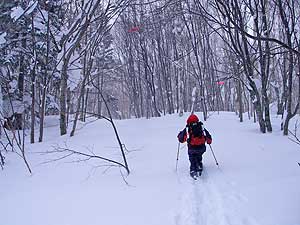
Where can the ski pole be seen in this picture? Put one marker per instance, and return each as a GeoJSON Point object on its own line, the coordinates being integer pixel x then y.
{"type": "Point", "coordinates": [214, 155]}
{"type": "Point", "coordinates": [177, 156]}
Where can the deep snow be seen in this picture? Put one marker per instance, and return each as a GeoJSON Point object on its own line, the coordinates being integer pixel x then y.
{"type": "Point", "coordinates": [257, 182]}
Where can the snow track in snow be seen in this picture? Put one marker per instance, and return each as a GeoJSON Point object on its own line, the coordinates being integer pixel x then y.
{"type": "Point", "coordinates": [204, 202]}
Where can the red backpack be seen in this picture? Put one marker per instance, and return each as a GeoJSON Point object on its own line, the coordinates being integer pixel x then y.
{"type": "Point", "coordinates": [196, 136]}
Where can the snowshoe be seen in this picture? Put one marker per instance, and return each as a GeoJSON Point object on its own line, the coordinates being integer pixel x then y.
{"type": "Point", "coordinates": [194, 175]}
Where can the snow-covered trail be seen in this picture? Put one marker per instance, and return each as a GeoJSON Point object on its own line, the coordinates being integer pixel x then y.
{"type": "Point", "coordinates": [249, 188]}
{"type": "Point", "coordinates": [205, 202]}
{"type": "Point", "coordinates": [244, 190]}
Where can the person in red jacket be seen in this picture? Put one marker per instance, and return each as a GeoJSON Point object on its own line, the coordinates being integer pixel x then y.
{"type": "Point", "coordinates": [196, 137]}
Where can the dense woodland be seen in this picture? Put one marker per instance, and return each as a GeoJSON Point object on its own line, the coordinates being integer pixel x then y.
{"type": "Point", "coordinates": [119, 59]}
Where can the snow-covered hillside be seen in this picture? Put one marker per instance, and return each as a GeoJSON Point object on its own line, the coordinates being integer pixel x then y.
{"type": "Point", "coordinates": [257, 182]}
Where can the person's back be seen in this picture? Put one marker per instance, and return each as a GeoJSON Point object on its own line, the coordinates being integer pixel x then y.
{"type": "Point", "coordinates": [196, 137]}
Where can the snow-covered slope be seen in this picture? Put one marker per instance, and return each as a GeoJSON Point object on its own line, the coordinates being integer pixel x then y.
{"type": "Point", "coordinates": [257, 182]}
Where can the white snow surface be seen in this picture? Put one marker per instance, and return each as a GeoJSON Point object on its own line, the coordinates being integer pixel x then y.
{"type": "Point", "coordinates": [257, 181]}
{"type": "Point", "coordinates": [16, 12]}
{"type": "Point", "coordinates": [2, 38]}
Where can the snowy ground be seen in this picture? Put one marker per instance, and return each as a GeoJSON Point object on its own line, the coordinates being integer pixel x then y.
{"type": "Point", "coordinates": [257, 182]}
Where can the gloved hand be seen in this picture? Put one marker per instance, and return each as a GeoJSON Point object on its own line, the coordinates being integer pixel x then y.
{"type": "Point", "coordinates": [182, 136]}
{"type": "Point", "coordinates": [207, 137]}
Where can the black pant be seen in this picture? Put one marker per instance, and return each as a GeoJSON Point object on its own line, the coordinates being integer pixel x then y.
{"type": "Point", "coordinates": [196, 161]}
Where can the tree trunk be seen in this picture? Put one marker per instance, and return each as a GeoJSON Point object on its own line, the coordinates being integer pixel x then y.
{"type": "Point", "coordinates": [240, 100]}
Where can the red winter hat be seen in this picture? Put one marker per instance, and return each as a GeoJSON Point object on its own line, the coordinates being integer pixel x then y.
{"type": "Point", "coordinates": [192, 119]}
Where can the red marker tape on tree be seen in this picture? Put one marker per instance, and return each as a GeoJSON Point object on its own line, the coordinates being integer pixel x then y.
{"type": "Point", "coordinates": [133, 29]}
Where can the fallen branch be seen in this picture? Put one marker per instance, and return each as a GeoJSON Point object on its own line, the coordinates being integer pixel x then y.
{"type": "Point", "coordinates": [67, 152]}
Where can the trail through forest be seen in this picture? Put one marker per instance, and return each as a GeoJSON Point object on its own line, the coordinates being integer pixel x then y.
{"type": "Point", "coordinates": [256, 182]}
